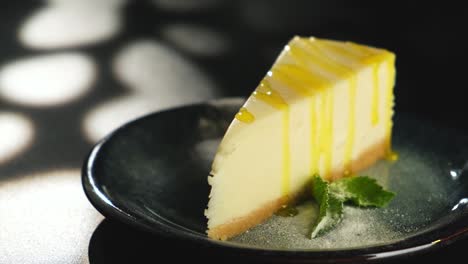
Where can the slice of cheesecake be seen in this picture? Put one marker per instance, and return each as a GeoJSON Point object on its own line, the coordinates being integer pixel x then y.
{"type": "Point", "coordinates": [324, 108]}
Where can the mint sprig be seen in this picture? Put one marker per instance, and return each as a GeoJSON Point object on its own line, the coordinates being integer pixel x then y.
{"type": "Point", "coordinates": [359, 190]}
{"type": "Point", "coordinates": [331, 207]}
{"type": "Point", "coordinates": [362, 191]}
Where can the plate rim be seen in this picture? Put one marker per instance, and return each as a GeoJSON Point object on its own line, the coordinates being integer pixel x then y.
{"type": "Point", "coordinates": [111, 209]}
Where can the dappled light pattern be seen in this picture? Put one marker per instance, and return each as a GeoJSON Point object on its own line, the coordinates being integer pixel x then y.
{"type": "Point", "coordinates": [56, 202]}
{"type": "Point", "coordinates": [47, 79]}
{"type": "Point", "coordinates": [17, 133]}
{"type": "Point", "coordinates": [158, 78]}
{"type": "Point", "coordinates": [72, 71]}
{"type": "Point", "coordinates": [150, 66]}
{"type": "Point", "coordinates": [68, 25]}
{"type": "Point", "coordinates": [107, 116]}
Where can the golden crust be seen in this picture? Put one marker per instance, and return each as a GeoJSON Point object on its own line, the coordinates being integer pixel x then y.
{"type": "Point", "coordinates": [242, 224]}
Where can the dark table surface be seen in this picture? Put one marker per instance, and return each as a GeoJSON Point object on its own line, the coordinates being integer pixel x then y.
{"type": "Point", "coordinates": [71, 71]}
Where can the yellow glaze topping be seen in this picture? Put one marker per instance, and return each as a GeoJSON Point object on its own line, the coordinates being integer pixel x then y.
{"type": "Point", "coordinates": [299, 76]}
{"type": "Point", "coordinates": [245, 116]}
{"type": "Point", "coordinates": [347, 73]}
{"type": "Point", "coordinates": [306, 84]}
{"type": "Point", "coordinates": [391, 69]}
{"type": "Point", "coordinates": [364, 56]}
{"type": "Point", "coordinates": [375, 95]}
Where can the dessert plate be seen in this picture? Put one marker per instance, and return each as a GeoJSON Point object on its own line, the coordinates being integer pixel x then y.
{"type": "Point", "coordinates": [152, 173]}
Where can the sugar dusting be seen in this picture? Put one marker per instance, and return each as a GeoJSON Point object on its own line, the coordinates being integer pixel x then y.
{"type": "Point", "coordinates": [359, 228]}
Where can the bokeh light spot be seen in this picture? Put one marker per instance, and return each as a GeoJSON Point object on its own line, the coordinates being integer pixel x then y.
{"type": "Point", "coordinates": [17, 133]}
{"type": "Point", "coordinates": [69, 25]}
{"type": "Point", "coordinates": [108, 116]}
{"type": "Point", "coordinates": [47, 79]}
{"type": "Point", "coordinates": [151, 66]}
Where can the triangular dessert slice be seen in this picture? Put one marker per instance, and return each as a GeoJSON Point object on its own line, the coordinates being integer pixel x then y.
{"type": "Point", "coordinates": [324, 108]}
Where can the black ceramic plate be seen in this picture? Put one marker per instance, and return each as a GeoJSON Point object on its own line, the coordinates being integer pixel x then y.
{"type": "Point", "coordinates": [152, 173]}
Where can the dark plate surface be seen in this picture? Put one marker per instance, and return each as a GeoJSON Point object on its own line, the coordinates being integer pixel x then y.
{"type": "Point", "coordinates": [151, 173]}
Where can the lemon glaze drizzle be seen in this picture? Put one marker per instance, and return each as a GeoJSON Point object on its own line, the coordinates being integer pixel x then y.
{"type": "Point", "coordinates": [321, 143]}
{"type": "Point", "coordinates": [328, 104]}
{"type": "Point", "coordinates": [265, 93]}
{"type": "Point", "coordinates": [390, 154]}
{"type": "Point", "coordinates": [373, 58]}
{"type": "Point", "coordinates": [318, 82]}
{"type": "Point", "coordinates": [245, 116]}
{"type": "Point", "coordinates": [367, 57]}
{"type": "Point", "coordinates": [325, 137]}
{"type": "Point", "coordinates": [376, 58]}
{"type": "Point", "coordinates": [351, 128]}
{"type": "Point", "coordinates": [375, 95]}
{"type": "Point", "coordinates": [307, 85]}
{"type": "Point", "coordinates": [389, 60]}
{"type": "Point", "coordinates": [348, 73]}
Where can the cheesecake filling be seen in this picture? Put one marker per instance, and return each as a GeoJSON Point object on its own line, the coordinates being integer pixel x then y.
{"type": "Point", "coordinates": [321, 109]}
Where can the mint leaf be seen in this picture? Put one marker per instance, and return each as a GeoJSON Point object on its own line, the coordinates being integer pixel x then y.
{"type": "Point", "coordinates": [361, 191]}
{"type": "Point", "coordinates": [319, 188]}
{"type": "Point", "coordinates": [331, 207]}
